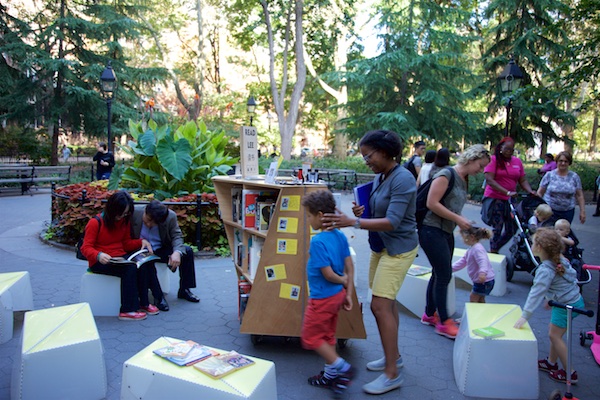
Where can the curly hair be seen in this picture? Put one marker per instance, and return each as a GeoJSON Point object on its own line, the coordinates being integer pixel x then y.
{"type": "Point", "coordinates": [320, 200]}
{"type": "Point", "coordinates": [477, 232]}
{"type": "Point", "coordinates": [472, 153]}
{"type": "Point", "coordinates": [550, 242]}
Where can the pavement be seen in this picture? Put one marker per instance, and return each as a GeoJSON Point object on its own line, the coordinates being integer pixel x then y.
{"type": "Point", "coordinates": [428, 369]}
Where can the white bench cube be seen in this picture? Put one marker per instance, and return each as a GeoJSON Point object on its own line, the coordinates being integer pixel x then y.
{"type": "Point", "coordinates": [148, 376]}
{"type": "Point", "coordinates": [413, 294]}
{"type": "Point", "coordinates": [102, 292]}
{"type": "Point", "coordinates": [504, 367]}
{"type": "Point", "coordinates": [164, 276]}
{"type": "Point", "coordinates": [61, 356]}
{"type": "Point", "coordinates": [498, 262]}
{"type": "Point", "coordinates": [15, 295]}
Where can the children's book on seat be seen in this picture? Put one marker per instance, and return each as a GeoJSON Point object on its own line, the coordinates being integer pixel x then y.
{"type": "Point", "coordinates": [138, 258]}
{"type": "Point", "coordinates": [489, 332]}
{"type": "Point", "coordinates": [185, 353]}
{"type": "Point", "coordinates": [223, 364]}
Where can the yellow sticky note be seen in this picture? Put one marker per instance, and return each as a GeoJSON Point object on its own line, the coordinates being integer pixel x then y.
{"type": "Point", "coordinates": [291, 292]}
{"type": "Point", "coordinates": [287, 225]}
{"type": "Point", "coordinates": [275, 272]}
{"type": "Point", "coordinates": [287, 246]}
{"type": "Point", "coordinates": [290, 203]}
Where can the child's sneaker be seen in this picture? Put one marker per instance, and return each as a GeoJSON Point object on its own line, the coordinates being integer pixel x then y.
{"type": "Point", "coordinates": [544, 365]}
{"type": "Point", "coordinates": [448, 329]}
{"type": "Point", "coordinates": [379, 365]}
{"type": "Point", "coordinates": [342, 381]}
{"type": "Point", "coordinates": [320, 380]}
{"type": "Point", "coordinates": [561, 376]}
{"type": "Point", "coordinates": [433, 320]}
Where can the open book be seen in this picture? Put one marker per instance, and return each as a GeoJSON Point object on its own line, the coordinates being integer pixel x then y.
{"type": "Point", "coordinates": [138, 258]}
{"type": "Point", "coordinates": [223, 364]}
{"type": "Point", "coordinates": [185, 353]}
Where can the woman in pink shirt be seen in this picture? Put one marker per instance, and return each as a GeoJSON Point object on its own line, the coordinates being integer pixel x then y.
{"type": "Point", "coordinates": [502, 175]}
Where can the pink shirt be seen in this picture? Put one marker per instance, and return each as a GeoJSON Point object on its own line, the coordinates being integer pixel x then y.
{"type": "Point", "coordinates": [476, 260]}
{"type": "Point", "coordinates": [507, 177]}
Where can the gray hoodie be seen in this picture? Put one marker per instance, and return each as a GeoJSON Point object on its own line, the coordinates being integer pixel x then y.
{"type": "Point", "coordinates": [547, 283]}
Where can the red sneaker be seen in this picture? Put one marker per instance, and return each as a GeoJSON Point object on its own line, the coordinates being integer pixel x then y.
{"type": "Point", "coordinates": [150, 309]}
{"type": "Point", "coordinates": [433, 320]}
{"type": "Point", "coordinates": [561, 376]}
{"type": "Point", "coordinates": [544, 365]}
{"type": "Point", "coordinates": [132, 316]}
{"type": "Point", "coordinates": [448, 329]}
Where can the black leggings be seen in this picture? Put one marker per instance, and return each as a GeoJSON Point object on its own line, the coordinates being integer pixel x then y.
{"type": "Point", "coordinates": [438, 247]}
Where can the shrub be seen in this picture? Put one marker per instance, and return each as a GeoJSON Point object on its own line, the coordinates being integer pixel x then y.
{"type": "Point", "coordinates": [587, 173]}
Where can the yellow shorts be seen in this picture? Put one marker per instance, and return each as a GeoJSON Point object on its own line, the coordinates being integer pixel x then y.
{"type": "Point", "coordinates": [386, 273]}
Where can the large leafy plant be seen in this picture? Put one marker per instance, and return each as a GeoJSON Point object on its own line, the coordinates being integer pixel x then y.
{"type": "Point", "coordinates": [171, 161]}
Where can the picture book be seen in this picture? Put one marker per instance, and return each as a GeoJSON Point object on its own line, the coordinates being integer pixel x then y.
{"type": "Point", "coordinates": [185, 353]}
{"type": "Point", "coordinates": [417, 270]}
{"type": "Point", "coordinates": [489, 332]}
{"type": "Point", "coordinates": [138, 258]}
{"type": "Point", "coordinates": [362, 194]}
{"type": "Point", "coordinates": [223, 364]}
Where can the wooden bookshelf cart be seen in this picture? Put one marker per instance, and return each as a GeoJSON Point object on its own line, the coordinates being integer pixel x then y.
{"type": "Point", "coordinates": [275, 304]}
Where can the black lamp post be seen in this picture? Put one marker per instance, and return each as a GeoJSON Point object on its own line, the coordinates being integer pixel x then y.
{"type": "Point", "coordinates": [510, 79]}
{"type": "Point", "coordinates": [251, 107]}
{"type": "Point", "coordinates": [108, 84]}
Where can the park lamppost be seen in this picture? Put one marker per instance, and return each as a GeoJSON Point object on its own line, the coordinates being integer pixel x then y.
{"type": "Point", "coordinates": [108, 84]}
{"type": "Point", "coordinates": [510, 79]}
{"type": "Point", "coordinates": [251, 108]}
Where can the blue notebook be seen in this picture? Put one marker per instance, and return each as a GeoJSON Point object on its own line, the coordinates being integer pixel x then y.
{"type": "Point", "coordinates": [362, 194]}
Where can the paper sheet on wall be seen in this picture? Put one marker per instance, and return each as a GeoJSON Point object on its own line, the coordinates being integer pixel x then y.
{"type": "Point", "coordinates": [290, 203]}
{"type": "Point", "coordinates": [291, 292]}
{"type": "Point", "coordinates": [287, 225]}
{"type": "Point", "coordinates": [287, 246]}
{"type": "Point", "coordinates": [275, 272]}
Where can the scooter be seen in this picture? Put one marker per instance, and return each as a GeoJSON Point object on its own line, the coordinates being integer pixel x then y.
{"type": "Point", "coordinates": [556, 395]}
{"type": "Point", "coordinates": [591, 335]}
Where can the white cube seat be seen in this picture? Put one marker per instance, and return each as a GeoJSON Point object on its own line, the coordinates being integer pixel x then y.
{"type": "Point", "coordinates": [148, 376]}
{"type": "Point", "coordinates": [413, 294]}
{"type": "Point", "coordinates": [61, 356]}
{"type": "Point", "coordinates": [15, 295]}
{"type": "Point", "coordinates": [164, 276]}
{"type": "Point", "coordinates": [498, 262]}
{"type": "Point", "coordinates": [504, 367]}
{"type": "Point", "coordinates": [102, 292]}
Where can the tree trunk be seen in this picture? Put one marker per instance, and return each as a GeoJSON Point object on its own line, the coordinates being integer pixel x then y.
{"type": "Point", "coordinates": [593, 148]}
{"type": "Point", "coordinates": [201, 58]}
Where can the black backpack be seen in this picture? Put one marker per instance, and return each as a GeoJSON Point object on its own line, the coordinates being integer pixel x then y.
{"type": "Point", "coordinates": [422, 194]}
{"type": "Point", "coordinates": [410, 165]}
{"type": "Point", "coordinates": [79, 254]}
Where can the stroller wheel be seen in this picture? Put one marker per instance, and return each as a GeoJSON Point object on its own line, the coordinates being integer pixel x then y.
{"type": "Point", "coordinates": [582, 338]}
{"type": "Point", "coordinates": [510, 268]}
{"type": "Point", "coordinates": [555, 395]}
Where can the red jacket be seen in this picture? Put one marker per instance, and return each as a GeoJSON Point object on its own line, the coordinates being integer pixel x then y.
{"type": "Point", "coordinates": [116, 242]}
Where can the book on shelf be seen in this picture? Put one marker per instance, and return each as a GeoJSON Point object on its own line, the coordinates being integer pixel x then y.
{"type": "Point", "coordinates": [362, 194]}
{"type": "Point", "coordinates": [185, 353]}
{"type": "Point", "coordinates": [249, 199]}
{"type": "Point", "coordinates": [238, 245]}
{"type": "Point", "coordinates": [418, 270]}
{"type": "Point", "coordinates": [264, 209]}
{"type": "Point", "coordinates": [138, 258]}
{"type": "Point", "coordinates": [236, 204]}
{"type": "Point", "coordinates": [488, 332]}
{"type": "Point", "coordinates": [223, 364]}
{"type": "Point", "coordinates": [255, 245]}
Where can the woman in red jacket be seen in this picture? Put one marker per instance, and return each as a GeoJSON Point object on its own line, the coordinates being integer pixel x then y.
{"type": "Point", "coordinates": [110, 236]}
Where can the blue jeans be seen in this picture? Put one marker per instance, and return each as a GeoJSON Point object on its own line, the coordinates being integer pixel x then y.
{"type": "Point", "coordinates": [483, 289]}
{"type": "Point", "coordinates": [438, 247]}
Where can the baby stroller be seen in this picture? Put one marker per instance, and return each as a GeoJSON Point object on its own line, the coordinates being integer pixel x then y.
{"type": "Point", "coordinates": [521, 256]}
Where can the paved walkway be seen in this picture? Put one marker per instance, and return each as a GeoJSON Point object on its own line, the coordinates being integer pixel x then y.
{"type": "Point", "coordinates": [56, 273]}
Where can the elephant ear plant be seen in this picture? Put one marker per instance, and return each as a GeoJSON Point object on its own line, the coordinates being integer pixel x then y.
{"type": "Point", "coordinates": [172, 161]}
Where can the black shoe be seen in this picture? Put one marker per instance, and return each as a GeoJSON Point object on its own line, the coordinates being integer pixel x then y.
{"type": "Point", "coordinates": [187, 295]}
{"type": "Point", "coordinates": [596, 214]}
{"type": "Point", "coordinates": [162, 305]}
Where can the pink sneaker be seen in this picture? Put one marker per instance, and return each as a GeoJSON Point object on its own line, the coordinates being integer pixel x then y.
{"type": "Point", "coordinates": [433, 320]}
{"type": "Point", "coordinates": [448, 329]}
{"type": "Point", "coordinates": [132, 316]}
{"type": "Point", "coordinates": [150, 309]}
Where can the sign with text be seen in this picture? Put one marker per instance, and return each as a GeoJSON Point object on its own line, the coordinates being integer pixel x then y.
{"type": "Point", "coordinates": [249, 152]}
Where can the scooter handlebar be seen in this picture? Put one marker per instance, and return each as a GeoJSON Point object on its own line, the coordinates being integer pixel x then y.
{"type": "Point", "coordinates": [588, 266]}
{"type": "Point", "coordinates": [589, 313]}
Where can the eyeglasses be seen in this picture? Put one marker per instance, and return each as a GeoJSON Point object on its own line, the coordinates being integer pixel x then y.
{"type": "Point", "coordinates": [368, 156]}
{"type": "Point", "coordinates": [124, 215]}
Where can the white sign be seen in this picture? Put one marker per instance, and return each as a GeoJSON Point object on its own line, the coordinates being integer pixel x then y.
{"type": "Point", "coordinates": [249, 152]}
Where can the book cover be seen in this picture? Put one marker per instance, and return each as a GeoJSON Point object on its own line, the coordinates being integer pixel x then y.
{"type": "Point", "coordinates": [236, 204]}
{"type": "Point", "coordinates": [417, 270]}
{"type": "Point", "coordinates": [195, 354]}
{"type": "Point", "coordinates": [138, 258]}
{"type": "Point", "coordinates": [223, 364]}
{"type": "Point", "coordinates": [264, 209]}
{"type": "Point", "coordinates": [255, 245]}
{"type": "Point", "coordinates": [362, 194]}
{"type": "Point", "coordinates": [489, 332]}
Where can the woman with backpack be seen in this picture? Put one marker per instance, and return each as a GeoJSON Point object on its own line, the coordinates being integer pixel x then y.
{"type": "Point", "coordinates": [435, 233]}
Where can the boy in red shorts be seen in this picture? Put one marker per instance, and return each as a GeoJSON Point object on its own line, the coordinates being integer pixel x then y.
{"type": "Point", "coordinates": [330, 274]}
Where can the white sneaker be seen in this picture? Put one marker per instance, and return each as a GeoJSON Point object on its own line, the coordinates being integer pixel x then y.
{"type": "Point", "coordinates": [383, 384]}
{"type": "Point", "coordinates": [379, 365]}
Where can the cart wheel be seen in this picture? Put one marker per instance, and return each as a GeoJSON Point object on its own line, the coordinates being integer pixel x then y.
{"type": "Point", "coordinates": [256, 339]}
{"type": "Point", "coordinates": [555, 395]}
{"type": "Point", "coordinates": [510, 268]}
{"type": "Point", "coordinates": [342, 343]}
{"type": "Point", "coordinates": [582, 338]}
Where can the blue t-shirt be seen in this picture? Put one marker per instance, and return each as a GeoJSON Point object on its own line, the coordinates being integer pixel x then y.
{"type": "Point", "coordinates": [327, 249]}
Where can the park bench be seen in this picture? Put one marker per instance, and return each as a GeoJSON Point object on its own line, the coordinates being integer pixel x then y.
{"type": "Point", "coordinates": [27, 175]}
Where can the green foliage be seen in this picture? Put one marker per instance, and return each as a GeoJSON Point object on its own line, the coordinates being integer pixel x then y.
{"type": "Point", "coordinates": [172, 160]}
{"type": "Point", "coordinates": [18, 143]}
{"type": "Point", "coordinates": [587, 173]}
